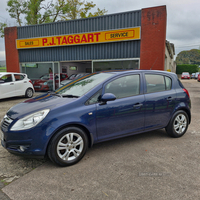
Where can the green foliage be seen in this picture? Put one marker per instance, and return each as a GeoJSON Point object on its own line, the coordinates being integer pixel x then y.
{"type": "Point", "coordinates": [2, 26]}
{"type": "Point", "coordinates": [79, 9]}
{"type": "Point", "coordinates": [16, 8]}
{"type": "Point", "coordinates": [2, 69]}
{"type": "Point", "coordinates": [29, 12]}
{"type": "Point", "coordinates": [188, 57]}
{"type": "Point", "coordinates": [187, 68]}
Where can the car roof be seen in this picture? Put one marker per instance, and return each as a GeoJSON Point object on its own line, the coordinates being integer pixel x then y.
{"type": "Point", "coordinates": [137, 70]}
{"type": "Point", "coordinates": [11, 73]}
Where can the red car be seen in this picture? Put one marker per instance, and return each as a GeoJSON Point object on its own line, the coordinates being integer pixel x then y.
{"type": "Point", "coordinates": [185, 75]}
{"type": "Point", "coordinates": [45, 84]}
{"type": "Point", "coordinates": [198, 78]}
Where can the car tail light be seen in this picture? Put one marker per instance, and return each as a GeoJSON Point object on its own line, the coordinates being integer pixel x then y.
{"type": "Point", "coordinates": [30, 82]}
{"type": "Point", "coordinates": [186, 91]}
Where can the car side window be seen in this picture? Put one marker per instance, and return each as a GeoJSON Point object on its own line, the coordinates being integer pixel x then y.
{"type": "Point", "coordinates": [125, 86]}
{"type": "Point", "coordinates": [95, 98]}
{"type": "Point", "coordinates": [157, 83]}
{"type": "Point", "coordinates": [7, 78]}
{"type": "Point", "coordinates": [19, 77]}
{"type": "Point", "coordinates": [168, 83]}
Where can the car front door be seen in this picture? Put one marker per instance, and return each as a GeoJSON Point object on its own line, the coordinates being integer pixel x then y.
{"type": "Point", "coordinates": [160, 100]}
{"type": "Point", "coordinates": [7, 88]}
{"type": "Point", "coordinates": [125, 114]}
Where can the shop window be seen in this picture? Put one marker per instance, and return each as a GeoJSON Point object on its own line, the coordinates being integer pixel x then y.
{"type": "Point", "coordinates": [115, 65]}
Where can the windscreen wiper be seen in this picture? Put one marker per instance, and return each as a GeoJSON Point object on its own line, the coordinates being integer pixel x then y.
{"type": "Point", "coordinates": [70, 96]}
{"type": "Point", "coordinates": [53, 93]}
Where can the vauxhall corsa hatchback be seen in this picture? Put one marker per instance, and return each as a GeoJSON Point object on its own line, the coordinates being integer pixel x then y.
{"type": "Point", "coordinates": [95, 108]}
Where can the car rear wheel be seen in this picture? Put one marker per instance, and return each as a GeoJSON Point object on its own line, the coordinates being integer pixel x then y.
{"type": "Point", "coordinates": [29, 93]}
{"type": "Point", "coordinates": [68, 146]}
{"type": "Point", "coordinates": [178, 124]}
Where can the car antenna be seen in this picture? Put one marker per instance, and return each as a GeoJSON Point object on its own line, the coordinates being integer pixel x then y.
{"type": "Point", "coordinates": [154, 63]}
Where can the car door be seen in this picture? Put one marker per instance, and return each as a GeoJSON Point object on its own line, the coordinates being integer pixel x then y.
{"type": "Point", "coordinates": [21, 84]}
{"type": "Point", "coordinates": [7, 89]}
{"type": "Point", "coordinates": [125, 114]}
{"type": "Point", "coordinates": [160, 100]}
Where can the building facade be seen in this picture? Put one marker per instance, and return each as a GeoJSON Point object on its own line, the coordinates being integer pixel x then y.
{"type": "Point", "coordinates": [129, 40]}
{"type": "Point", "coordinates": [170, 64]}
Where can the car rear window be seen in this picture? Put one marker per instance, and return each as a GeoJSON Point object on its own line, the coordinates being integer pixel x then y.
{"type": "Point", "coordinates": [181, 85]}
{"type": "Point", "coordinates": [157, 83]}
{"type": "Point", "coordinates": [19, 77]}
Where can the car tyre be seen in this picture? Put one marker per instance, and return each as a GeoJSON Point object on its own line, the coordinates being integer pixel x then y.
{"type": "Point", "coordinates": [29, 93]}
{"type": "Point", "coordinates": [178, 124]}
{"type": "Point", "coordinates": [68, 146]}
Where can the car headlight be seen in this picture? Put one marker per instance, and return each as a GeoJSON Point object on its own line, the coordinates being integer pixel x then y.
{"type": "Point", "coordinates": [30, 120]}
{"type": "Point", "coordinates": [45, 83]}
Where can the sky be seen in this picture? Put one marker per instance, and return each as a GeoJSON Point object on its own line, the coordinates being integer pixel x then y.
{"type": "Point", "coordinates": [183, 19]}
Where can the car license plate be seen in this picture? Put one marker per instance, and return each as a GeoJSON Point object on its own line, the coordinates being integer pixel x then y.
{"type": "Point", "coordinates": [37, 86]}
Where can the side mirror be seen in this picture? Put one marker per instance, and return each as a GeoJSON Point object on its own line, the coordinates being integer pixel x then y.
{"type": "Point", "coordinates": [1, 81]}
{"type": "Point", "coordinates": [108, 97]}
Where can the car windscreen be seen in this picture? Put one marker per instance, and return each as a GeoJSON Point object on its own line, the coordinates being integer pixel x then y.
{"type": "Point", "coordinates": [81, 86]}
{"type": "Point", "coordinates": [185, 73]}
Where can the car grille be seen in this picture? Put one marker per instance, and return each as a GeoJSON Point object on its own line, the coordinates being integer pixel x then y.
{"type": "Point", "coordinates": [6, 122]}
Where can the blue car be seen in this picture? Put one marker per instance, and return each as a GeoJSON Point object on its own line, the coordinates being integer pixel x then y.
{"type": "Point", "coordinates": [96, 108]}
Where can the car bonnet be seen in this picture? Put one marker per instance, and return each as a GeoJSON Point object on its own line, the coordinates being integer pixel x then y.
{"type": "Point", "coordinates": [45, 101]}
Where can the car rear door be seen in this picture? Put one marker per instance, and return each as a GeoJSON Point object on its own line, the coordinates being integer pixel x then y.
{"type": "Point", "coordinates": [125, 114]}
{"type": "Point", "coordinates": [160, 100]}
{"type": "Point", "coordinates": [7, 89]}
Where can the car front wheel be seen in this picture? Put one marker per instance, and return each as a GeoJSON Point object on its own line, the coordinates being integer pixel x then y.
{"type": "Point", "coordinates": [68, 146]}
{"type": "Point", "coordinates": [178, 124]}
{"type": "Point", "coordinates": [29, 93]}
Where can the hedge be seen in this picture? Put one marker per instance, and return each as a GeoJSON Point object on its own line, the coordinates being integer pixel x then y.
{"type": "Point", "coordinates": [187, 68]}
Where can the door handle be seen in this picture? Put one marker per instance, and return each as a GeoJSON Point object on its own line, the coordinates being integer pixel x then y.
{"type": "Point", "coordinates": [12, 84]}
{"type": "Point", "coordinates": [137, 105]}
{"type": "Point", "coordinates": [169, 98]}
{"type": "Point", "coordinates": [25, 81]}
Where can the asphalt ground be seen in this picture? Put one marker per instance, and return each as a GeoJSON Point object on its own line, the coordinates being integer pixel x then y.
{"type": "Point", "coordinates": [149, 166]}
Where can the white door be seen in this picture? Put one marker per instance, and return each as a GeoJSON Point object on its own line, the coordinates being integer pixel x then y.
{"type": "Point", "coordinates": [7, 88]}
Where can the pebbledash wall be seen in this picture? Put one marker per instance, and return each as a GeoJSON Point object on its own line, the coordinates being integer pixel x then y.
{"type": "Point", "coordinates": [139, 35]}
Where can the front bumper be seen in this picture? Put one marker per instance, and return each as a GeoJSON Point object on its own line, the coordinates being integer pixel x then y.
{"type": "Point", "coordinates": [41, 88]}
{"type": "Point", "coordinates": [22, 147]}
{"type": "Point", "coordinates": [32, 142]}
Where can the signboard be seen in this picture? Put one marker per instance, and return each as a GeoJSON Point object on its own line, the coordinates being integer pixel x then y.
{"type": "Point", "coordinates": [80, 38]}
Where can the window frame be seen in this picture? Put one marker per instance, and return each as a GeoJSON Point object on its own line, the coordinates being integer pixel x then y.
{"type": "Point", "coordinates": [21, 75]}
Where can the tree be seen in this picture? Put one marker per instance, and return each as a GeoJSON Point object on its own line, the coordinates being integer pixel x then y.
{"type": "Point", "coordinates": [189, 57]}
{"type": "Point", "coordinates": [39, 12]}
{"type": "Point", "coordinates": [30, 12]}
{"type": "Point", "coordinates": [16, 9]}
{"type": "Point", "coordinates": [2, 26]}
{"type": "Point", "coordinates": [79, 9]}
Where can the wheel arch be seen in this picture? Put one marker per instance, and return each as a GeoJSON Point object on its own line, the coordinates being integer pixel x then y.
{"type": "Point", "coordinates": [29, 88]}
{"type": "Point", "coordinates": [88, 134]}
{"type": "Point", "coordinates": [187, 111]}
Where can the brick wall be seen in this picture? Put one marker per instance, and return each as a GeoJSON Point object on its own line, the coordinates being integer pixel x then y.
{"type": "Point", "coordinates": [12, 58]}
{"type": "Point", "coordinates": [153, 36]}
